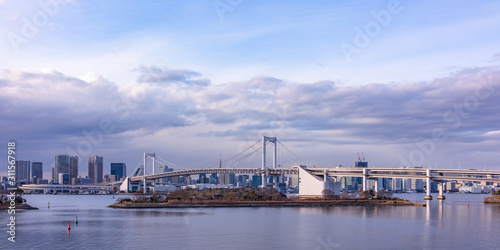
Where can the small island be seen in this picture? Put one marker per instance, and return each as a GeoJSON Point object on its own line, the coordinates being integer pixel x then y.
{"type": "Point", "coordinates": [14, 202]}
{"type": "Point", "coordinates": [251, 197]}
{"type": "Point", "coordinates": [494, 199]}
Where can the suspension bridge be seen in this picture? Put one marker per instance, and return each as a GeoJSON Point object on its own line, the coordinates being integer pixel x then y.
{"type": "Point", "coordinates": [243, 162]}
{"type": "Point", "coordinates": [312, 181]}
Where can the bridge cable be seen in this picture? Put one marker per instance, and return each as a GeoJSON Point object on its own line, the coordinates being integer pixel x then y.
{"type": "Point", "coordinates": [225, 161]}
{"type": "Point", "coordinates": [138, 166]}
{"type": "Point", "coordinates": [246, 156]}
{"type": "Point", "coordinates": [300, 160]}
{"type": "Point", "coordinates": [168, 163]}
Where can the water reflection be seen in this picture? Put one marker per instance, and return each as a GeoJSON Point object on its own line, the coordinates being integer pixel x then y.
{"type": "Point", "coordinates": [438, 225]}
{"type": "Point", "coordinates": [161, 213]}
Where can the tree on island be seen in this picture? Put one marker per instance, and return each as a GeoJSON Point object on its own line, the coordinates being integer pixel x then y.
{"type": "Point", "coordinates": [368, 194]}
{"type": "Point", "coordinates": [206, 194]}
{"type": "Point", "coordinates": [327, 193]}
{"type": "Point", "coordinates": [4, 198]}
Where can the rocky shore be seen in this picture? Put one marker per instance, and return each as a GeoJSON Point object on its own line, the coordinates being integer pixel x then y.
{"type": "Point", "coordinates": [495, 199]}
{"type": "Point", "coordinates": [296, 203]}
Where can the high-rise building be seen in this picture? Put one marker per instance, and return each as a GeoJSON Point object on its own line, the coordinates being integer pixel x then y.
{"type": "Point", "coordinates": [243, 178]}
{"type": "Point", "coordinates": [23, 171]}
{"type": "Point", "coordinates": [202, 178]}
{"type": "Point", "coordinates": [214, 179]}
{"type": "Point", "coordinates": [397, 184]}
{"type": "Point", "coordinates": [95, 168]}
{"type": "Point", "coordinates": [224, 179]}
{"type": "Point", "coordinates": [63, 178]}
{"type": "Point", "coordinates": [232, 179]}
{"type": "Point", "coordinates": [417, 184]}
{"type": "Point", "coordinates": [61, 166]}
{"type": "Point", "coordinates": [54, 175]}
{"type": "Point", "coordinates": [109, 178]}
{"type": "Point", "coordinates": [406, 184]}
{"type": "Point", "coordinates": [451, 186]}
{"type": "Point", "coordinates": [36, 170]}
{"type": "Point", "coordinates": [119, 169]}
{"type": "Point", "coordinates": [256, 180]}
{"type": "Point", "coordinates": [361, 164]}
{"type": "Point", "coordinates": [165, 169]}
{"type": "Point", "coordinates": [73, 167]}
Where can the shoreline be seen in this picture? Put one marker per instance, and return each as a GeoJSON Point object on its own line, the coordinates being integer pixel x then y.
{"type": "Point", "coordinates": [18, 207]}
{"type": "Point", "coordinates": [303, 203]}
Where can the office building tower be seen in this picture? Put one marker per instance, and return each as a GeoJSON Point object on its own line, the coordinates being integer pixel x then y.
{"type": "Point", "coordinates": [63, 179]}
{"type": "Point", "coordinates": [243, 178]}
{"type": "Point", "coordinates": [119, 169]}
{"type": "Point", "coordinates": [224, 179]}
{"type": "Point", "coordinates": [73, 167]}
{"type": "Point", "coordinates": [256, 180]}
{"type": "Point", "coordinates": [202, 178]}
{"type": "Point", "coordinates": [417, 185]}
{"type": "Point", "coordinates": [451, 186]}
{"type": "Point", "coordinates": [23, 171]}
{"type": "Point", "coordinates": [61, 166]}
{"type": "Point", "coordinates": [166, 169]}
{"type": "Point", "coordinates": [214, 179]}
{"type": "Point", "coordinates": [54, 176]}
{"type": "Point", "coordinates": [361, 164]}
{"type": "Point", "coordinates": [95, 168]}
{"type": "Point", "coordinates": [397, 184]}
{"type": "Point", "coordinates": [42, 181]}
{"type": "Point", "coordinates": [36, 171]}
{"type": "Point", "coordinates": [232, 179]}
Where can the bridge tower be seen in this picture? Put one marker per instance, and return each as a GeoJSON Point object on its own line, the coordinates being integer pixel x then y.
{"type": "Point", "coordinates": [266, 139]}
{"type": "Point", "coordinates": [152, 156]}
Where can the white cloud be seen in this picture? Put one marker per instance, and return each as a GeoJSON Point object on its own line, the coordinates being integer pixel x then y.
{"type": "Point", "coordinates": [493, 133]}
{"type": "Point", "coordinates": [53, 108]}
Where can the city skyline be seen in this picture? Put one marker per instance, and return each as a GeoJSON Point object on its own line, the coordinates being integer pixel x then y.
{"type": "Point", "coordinates": [405, 82]}
{"type": "Point", "coordinates": [27, 169]}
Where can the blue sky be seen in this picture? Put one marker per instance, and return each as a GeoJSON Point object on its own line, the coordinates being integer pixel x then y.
{"type": "Point", "coordinates": [209, 76]}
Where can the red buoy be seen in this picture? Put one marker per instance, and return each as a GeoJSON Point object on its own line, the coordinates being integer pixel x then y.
{"type": "Point", "coordinates": [69, 227]}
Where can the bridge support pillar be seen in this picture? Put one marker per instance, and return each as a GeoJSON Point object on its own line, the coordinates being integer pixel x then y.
{"type": "Point", "coordinates": [365, 174]}
{"type": "Point", "coordinates": [440, 189]}
{"type": "Point", "coordinates": [263, 178]}
{"type": "Point", "coordinates": [428, 189]}
{"type": "Point", "coordinates": [376, 189]}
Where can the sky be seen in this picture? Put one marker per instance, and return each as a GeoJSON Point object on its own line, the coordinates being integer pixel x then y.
{"type": "Point", "coordinates": [407, 83]}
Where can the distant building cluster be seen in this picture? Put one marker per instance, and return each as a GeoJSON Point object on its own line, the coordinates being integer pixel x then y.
{"type": "Point", "coordinates": [66, 171]}
{"type": "Point", "coordinates": [285, 183]}
{"type": "Point", "coordinates": [352, 184]}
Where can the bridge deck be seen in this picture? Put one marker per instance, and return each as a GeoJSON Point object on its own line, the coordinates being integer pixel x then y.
{"type": "Point", "coordinates": [409, 173]}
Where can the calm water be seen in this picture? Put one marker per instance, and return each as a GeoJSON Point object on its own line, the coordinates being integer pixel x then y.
{"type": "Point", "coordinates": [452, 225]}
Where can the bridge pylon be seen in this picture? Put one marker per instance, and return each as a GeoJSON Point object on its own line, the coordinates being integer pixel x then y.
{"type": "Point", "coordinates": [152, 156]}
{"type": "Point", "coordinates": [265, 140]}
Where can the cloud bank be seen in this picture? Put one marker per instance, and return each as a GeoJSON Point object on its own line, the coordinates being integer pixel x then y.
{"type": "Point", "coordinates": [462, 108]}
